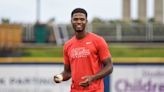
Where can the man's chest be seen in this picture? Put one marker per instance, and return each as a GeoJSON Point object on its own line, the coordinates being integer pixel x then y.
{"type": "Point", "coordinates": [82, 49]}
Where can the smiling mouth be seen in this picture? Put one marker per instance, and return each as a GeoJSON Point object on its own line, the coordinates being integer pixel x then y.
{"type": "Point", "coordinates": [79, 29]}
{"type": "Point", "coordinates": [79, 26]}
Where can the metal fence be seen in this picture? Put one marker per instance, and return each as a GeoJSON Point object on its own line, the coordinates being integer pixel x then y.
{"type": "Point", "coordinates": [130, 32]}
{"type": "Point", "coordinates": [111, 32]}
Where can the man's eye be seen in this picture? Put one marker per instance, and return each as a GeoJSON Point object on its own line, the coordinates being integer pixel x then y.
{"type": "Point", "coordinates": [82, 19]}
{"type": "Point", "coordinates": [75, 19]}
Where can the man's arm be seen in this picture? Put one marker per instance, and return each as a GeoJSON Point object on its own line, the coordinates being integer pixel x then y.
{"type": "Point", "coordinates": [107, 69]}
{"type": "Point", "coordinates": [66, 74]}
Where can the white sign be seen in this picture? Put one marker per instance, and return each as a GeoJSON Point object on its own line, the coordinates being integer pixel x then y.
{"type": "Point", "coordinates": [31, 78]}
{"type": "Point", "coordinates": [137, 78]}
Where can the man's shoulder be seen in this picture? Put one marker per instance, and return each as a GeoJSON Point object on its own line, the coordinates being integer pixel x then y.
{"type": "Point", "coordinates": [95, 36]}
{"type": "Point", "coordinates": [98, 40]}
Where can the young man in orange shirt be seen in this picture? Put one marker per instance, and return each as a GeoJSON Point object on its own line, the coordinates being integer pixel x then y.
{"type": "Point", "coordinates": [86, 57]}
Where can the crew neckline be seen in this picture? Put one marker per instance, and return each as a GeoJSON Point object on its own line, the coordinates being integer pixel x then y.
{"type": "Point", "coordinates": [84, 37]}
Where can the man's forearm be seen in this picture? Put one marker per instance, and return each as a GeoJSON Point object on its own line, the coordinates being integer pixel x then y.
{"type": "Point", "coordinates": [107, 69]}
{"type": "Point", "coordinates": [66, 75]}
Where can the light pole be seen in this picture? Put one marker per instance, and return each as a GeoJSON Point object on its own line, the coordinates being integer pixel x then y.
{"type": "Point", "coordinates": [37, 11]}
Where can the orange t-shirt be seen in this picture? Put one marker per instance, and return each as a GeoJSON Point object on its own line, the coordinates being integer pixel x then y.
{"type": "Point", "coordinates": [85, 58]}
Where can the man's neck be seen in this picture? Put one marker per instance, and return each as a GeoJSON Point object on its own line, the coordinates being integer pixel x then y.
{"type": "Point", "coordinates": [80, 35]}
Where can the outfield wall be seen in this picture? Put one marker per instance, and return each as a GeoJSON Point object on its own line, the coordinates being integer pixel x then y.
{"type": "Point", "coordinates": [137, 78]}
{"type": "Point", "coordinates": [31, 78]}
{"type": "Point", "coordinates": [36, 75]}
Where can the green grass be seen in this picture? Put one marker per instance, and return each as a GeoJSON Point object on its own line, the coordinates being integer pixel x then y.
{"type": "Point", "coordinates": [42, 52]}
{"type": "Point", "coordinates": [115, 51]}
{"type": "Point", "coordinates": [137, 52]}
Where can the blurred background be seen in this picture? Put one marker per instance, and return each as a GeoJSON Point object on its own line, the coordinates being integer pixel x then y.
{"type": "Point", "coordinates": [32, 34]}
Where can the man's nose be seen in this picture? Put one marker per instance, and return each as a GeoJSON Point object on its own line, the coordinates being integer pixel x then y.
{"type": "Point", "coordinates": [78, 21]}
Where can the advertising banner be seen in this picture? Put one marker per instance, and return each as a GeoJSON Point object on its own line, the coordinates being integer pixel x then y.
{"type": "Point", "coordinates": [31, 78]}
{"type": "Point", "coordinates": [137, 78]}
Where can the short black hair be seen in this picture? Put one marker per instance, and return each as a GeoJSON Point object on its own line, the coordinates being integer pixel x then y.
{"type": "Point", "coordinates": [79, 10]}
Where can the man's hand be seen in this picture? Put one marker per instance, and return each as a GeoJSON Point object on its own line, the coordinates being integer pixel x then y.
{"type": "Point", "coordinates": [87, 81]}
{"type": "Point", "coordinates": [58, 78]}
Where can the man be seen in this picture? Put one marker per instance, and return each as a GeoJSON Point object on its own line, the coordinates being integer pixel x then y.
{"type": "Point", "coordinates": [84, 57]}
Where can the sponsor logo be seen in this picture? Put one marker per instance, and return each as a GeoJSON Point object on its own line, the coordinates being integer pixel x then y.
{"type": "Point", "coordinates": [88, 42]}
{"type": "Point", "coordinates": [79, 52]}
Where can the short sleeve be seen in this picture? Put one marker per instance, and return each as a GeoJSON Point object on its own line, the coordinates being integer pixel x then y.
{"type": "Point", "coordinates": [103, 50]}
{"type": "Point", "coordinates": [66, 57]}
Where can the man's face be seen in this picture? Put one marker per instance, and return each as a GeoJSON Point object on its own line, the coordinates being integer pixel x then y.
{"type": "Point", "coordinates": [79, 22]}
